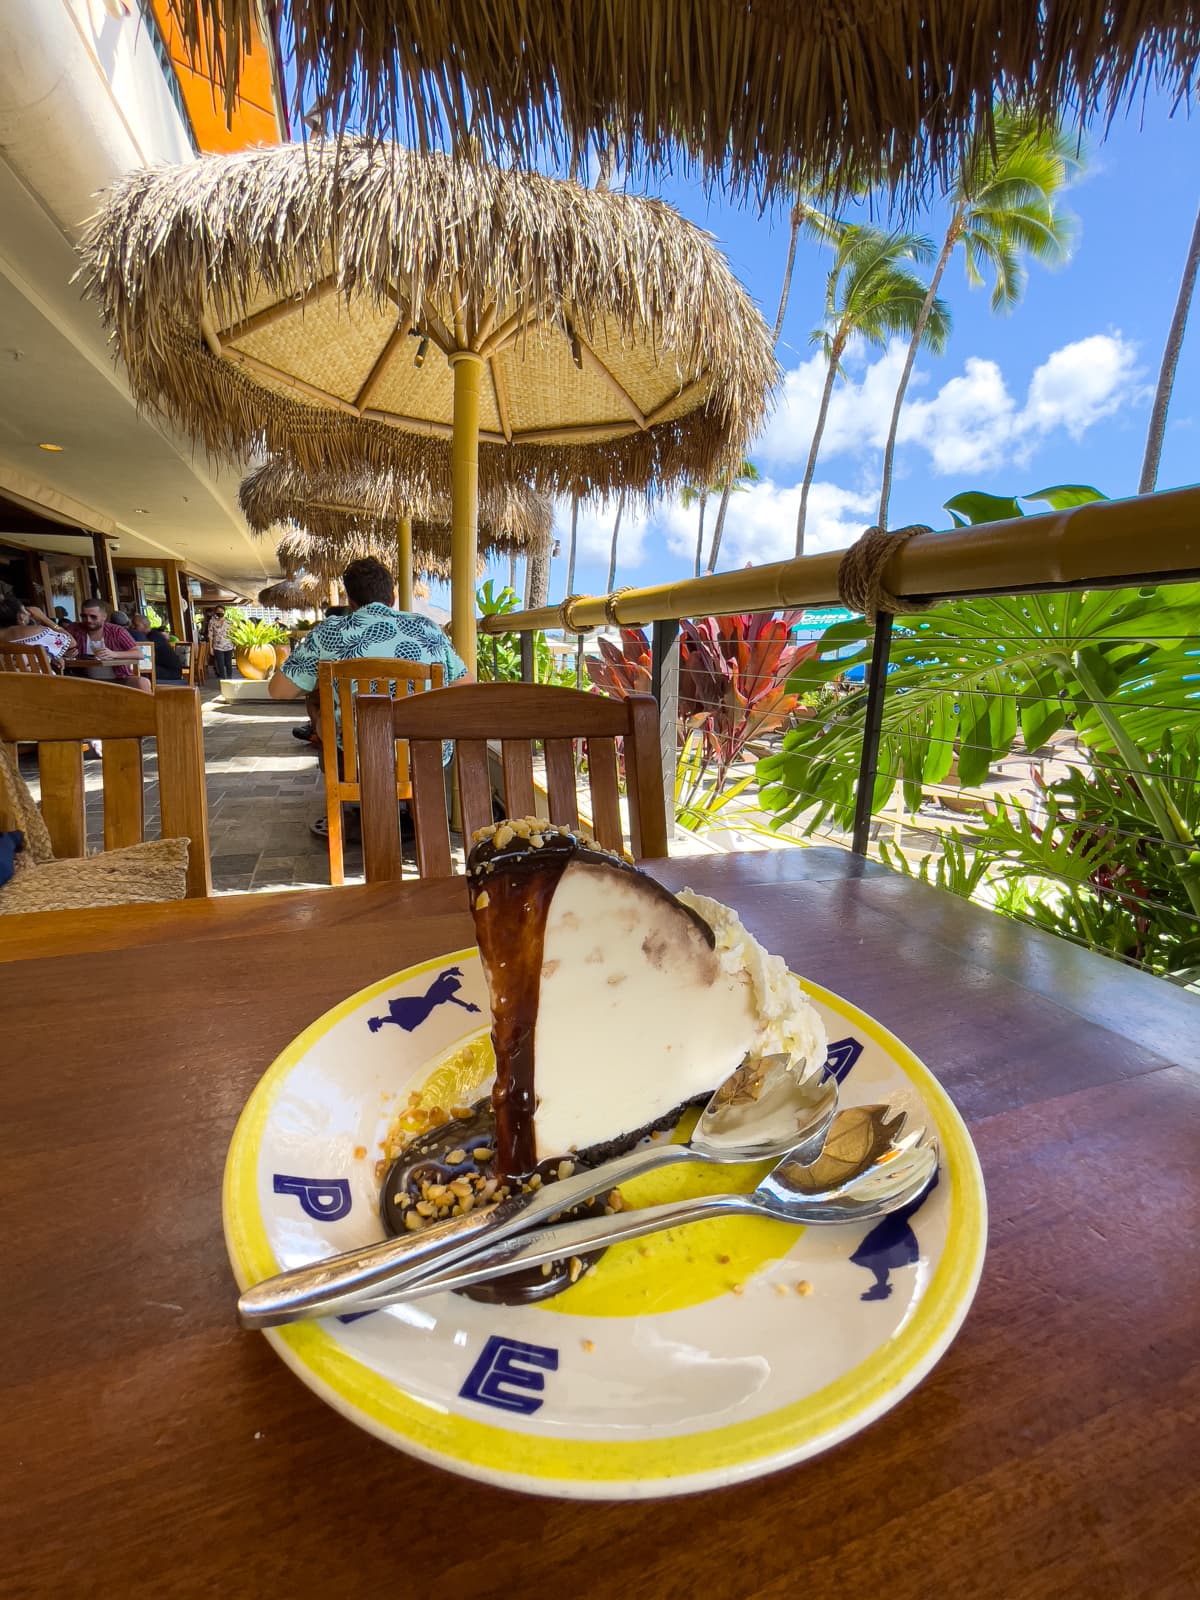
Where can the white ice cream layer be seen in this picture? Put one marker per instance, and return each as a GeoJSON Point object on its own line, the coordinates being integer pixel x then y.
{"type": "Point", "coordinates": [787, 1019]}
{"type": "Point", "coordinates": [637, 1014]}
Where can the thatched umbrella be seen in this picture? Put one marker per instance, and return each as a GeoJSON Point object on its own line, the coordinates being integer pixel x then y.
{"type": "Point", "coordinates": [303, 592]}
{"type": "Point", "coordinates": [325, 557]}
{"type": "Point", "coordinates": [347, 307]}
{"type": "Point", "coordinates": [872, 89]}
{"type": "Point", "coordinates": [368, 513]}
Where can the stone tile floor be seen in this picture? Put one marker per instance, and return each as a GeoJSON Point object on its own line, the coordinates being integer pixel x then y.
{"type": "Point", "coordinates": [264, 790]}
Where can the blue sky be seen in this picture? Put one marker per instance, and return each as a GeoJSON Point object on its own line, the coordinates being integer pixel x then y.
{"type": "Point", "coordinates": [1057, 391]}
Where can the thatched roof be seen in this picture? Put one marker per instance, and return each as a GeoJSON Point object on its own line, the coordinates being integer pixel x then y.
{"type": "Point", "coordinates": [304, 592]}
{"type": "Point", "coordinates": [327, 558]}
{"type": "Point", "coordinates": [304, 298]}
{"type": "Point", "coordinates": [367, 506]}
{"type": "Point", "coordinates": [882, 89]}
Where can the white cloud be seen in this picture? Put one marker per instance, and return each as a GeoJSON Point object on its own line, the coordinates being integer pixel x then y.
{"type": "Point", "coordinates": [761, 524]}
{"type": "Point", "coordinates": [972, 423]}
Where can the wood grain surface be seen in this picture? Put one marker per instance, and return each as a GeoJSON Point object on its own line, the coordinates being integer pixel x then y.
{"type": "Point", "coordinates": [150, 1447]}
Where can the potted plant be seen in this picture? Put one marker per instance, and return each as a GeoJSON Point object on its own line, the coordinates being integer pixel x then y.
{"type": "Point", "coordinates": [254, 646]}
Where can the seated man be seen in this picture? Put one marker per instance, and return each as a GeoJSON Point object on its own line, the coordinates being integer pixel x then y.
{"type": "Point", "coordinates": [168, 668]}
{"type": "Point", "coordinates": [373, 627]}
{"type": "Point", "coordinates": [115, 652]}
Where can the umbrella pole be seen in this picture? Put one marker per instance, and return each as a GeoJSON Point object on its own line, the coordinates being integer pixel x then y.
{"type": "Point", "coordinates": [404, 564]}
{"type": "Point", "coordinates": [464, 535]}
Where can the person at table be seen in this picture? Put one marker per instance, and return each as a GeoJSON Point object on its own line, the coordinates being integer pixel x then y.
{"type": "Point", "coordinates": [25, 624]}
{"type": "Point", "coordinates": [139, 626]}
{"type": "Point", "coordinates": [168, 668]}
{"type": "Point", "coordinates": [373, 627]}
{"type": "Point", "coordinates": [114, 651]}
{"type": "Point", "coordinates": [220, 641]}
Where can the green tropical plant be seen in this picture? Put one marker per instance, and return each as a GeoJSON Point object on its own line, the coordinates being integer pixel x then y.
{"type": "Point", "coordinates": [499, 654]}
{"type": "Point", "coordinates": [1003, 209]}
{"type": "Point", "coordinates": [247, 633]}
{"type": "Point", "coordinates": [872, 292]}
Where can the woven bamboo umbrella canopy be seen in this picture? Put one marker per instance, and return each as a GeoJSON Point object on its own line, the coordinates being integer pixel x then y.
{"type": "Point", "coordinates": [751, 89]}
{"type": "Point", "coordinates": [329, 519]}
{"type": "Point", "coordinates": [365, 306]}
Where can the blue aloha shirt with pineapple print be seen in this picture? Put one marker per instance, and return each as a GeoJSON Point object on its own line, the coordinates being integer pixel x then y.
{"type": "Point", "coordinates": [374, 630]}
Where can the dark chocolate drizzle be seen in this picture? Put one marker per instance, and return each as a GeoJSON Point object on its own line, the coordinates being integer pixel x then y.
{"type": "Point", "coordinates": [516, 883]}
{"type": "Point", "coordinates": [424, 1162]}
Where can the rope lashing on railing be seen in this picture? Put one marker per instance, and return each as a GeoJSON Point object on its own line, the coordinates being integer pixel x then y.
{"type": "Point", "coordinates": [564, 616]}
{"type": "Point", "coordinates": [610, 604]}
{"type": "Point", "coordinates": [860, 574]}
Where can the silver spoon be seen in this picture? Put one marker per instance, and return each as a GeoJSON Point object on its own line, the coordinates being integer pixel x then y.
{"type": "Point", "coordinates": [892, 1170]}
{"type": "Point", "coordinates": [762, 1110]}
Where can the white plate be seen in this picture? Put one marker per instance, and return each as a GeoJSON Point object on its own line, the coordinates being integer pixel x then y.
{"type": "Point", "coordinates": [687, 1360]}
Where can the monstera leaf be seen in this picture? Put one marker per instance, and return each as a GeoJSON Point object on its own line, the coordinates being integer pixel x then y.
{"type": "Point", "coordinates": [966, 675]}
{"type": "Point", "coordinates": [974, 506]}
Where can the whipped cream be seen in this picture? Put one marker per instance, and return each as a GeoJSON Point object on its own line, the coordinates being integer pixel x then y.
{"type": "Point", "coordinates": [787, 1019]}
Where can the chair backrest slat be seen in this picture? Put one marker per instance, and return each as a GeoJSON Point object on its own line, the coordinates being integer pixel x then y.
{"type": "Point", "coordinates": [60, 768]}
{"type": "Point", "coordinates": [429, 793]}
{"type": "Point", "coordinates": [124, 793]}
{"type": "Point", "coordinates": [514, 714]}
{"type": "Point", "coordinates": [474, 785]}
{"type": "Point", "coordinates": [517, 761]}
{"type": "Point", "coordinates": [25, 658]}
{"type": "Point", "coordinates": [606, 795]}
{"type": "Point", "coordinates": [560, 782]}
{"type": "Point", "coordinates": [56, 714]}
{"type": "Point", "coordinates": [362, 675]}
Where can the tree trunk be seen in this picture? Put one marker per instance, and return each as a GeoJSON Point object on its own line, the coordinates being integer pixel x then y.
{"type": "Point", "coordinates": [700, 534]}
{"type": "Point", "coordinates": [785, 291]}
{"type": "Point", "coordinates": [537, 578]}
{"type": "Point", "coordinates": [571, 551]}
{"type": "Point", "coordinates": [889, 452]}
{"type": "Point", "coordinates": [784, 294]}
{"type": "Point", "coordinates": [612, 559]}
{"type": "Point", "coordinates": [719, 526]}
{"type": "Point", "coordinates": [1166, 373]}
{"type": "Point", "coordinates": [810, 469]}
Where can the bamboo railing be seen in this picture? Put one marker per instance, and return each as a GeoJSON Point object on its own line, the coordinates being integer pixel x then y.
{"type": "Point", "coordinates": [1150, 538]}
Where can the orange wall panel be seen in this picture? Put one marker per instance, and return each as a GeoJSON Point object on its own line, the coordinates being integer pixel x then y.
{"type": "Point", "coordinates": [253, 121]}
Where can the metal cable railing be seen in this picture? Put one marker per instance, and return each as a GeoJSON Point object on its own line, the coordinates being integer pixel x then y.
{"type": "Point", "coordinates": [1040, 754]}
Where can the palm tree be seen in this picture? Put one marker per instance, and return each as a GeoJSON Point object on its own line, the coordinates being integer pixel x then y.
{"type": "Point", "coordinates": [731, 483]}
{"type": "Point", "coordinates": [690, 496]}
{"type": "Point", "coordinates": [872, 293]}
{"type": "Point", "coordinates": [1166, 373]}
{"type": "Point", "coordinates": [612, 558]}
{"type": "Point", "coordinates": [1002, 209]}
{"type": "Point", "coordinates": [822, 226]}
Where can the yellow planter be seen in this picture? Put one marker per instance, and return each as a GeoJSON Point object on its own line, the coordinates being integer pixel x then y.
{"type": "Point", "coordinates": [282, 652]}
{"type": "Point", "coordinates": [257, 661]}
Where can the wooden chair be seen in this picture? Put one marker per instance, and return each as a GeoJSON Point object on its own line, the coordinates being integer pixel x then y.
{"type": "Point", "coordinates": [515, 714]}
{"type": "Point", "coordinates": [57, 715]}
{"type": "Point", "coordinates": [198, 662]}
{"type": "Point", "coordinates": [340, 684]}
{"type": "Point", "coordinates": [25, 658]}
{"type": "Point", "coordinates": [145, 668]}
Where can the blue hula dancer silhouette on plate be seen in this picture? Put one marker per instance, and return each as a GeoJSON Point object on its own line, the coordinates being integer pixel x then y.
{"type": "Point", "coordinates": [410, 1011]}
{"type": "Point", "coordinates": [890, 1245]}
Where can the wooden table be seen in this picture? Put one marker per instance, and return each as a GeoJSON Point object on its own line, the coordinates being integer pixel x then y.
{"type": "Point", "coordinates": [151, 1447]}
